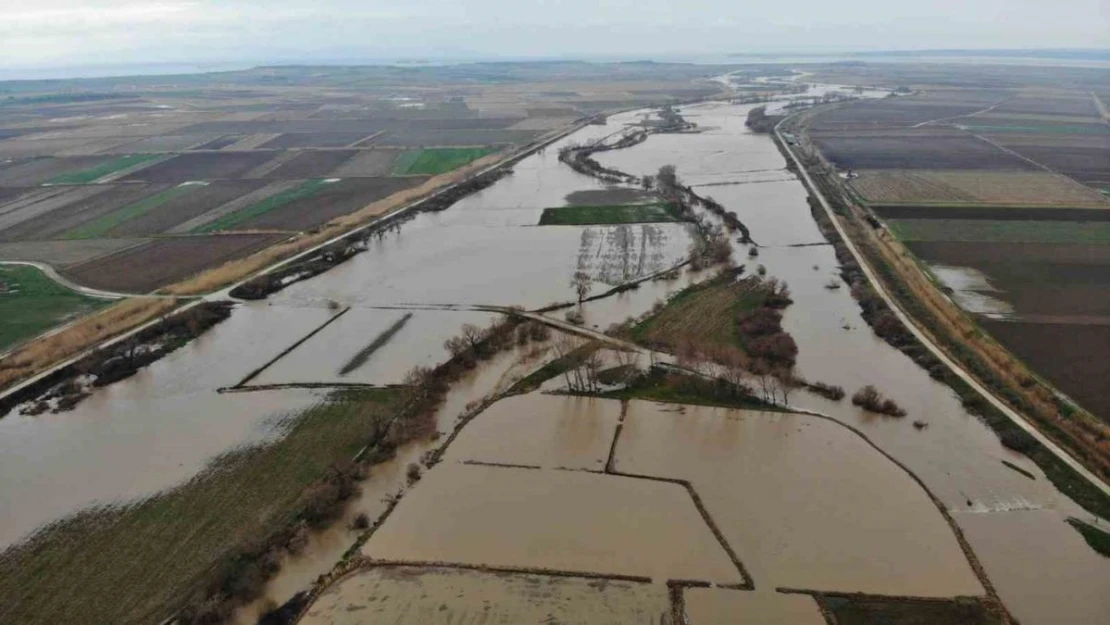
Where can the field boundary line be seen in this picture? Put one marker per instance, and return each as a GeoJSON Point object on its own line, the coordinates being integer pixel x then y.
{"type": "Point", "coordinates": [912, 326]}
{"type": "Point", "coordinates": [285, 352]}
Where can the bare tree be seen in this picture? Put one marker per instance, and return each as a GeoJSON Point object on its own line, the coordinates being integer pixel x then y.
{"type": "Point", "coordinates": [456, 345]}
{"type": "Point", "coordinates": [565, 345]}
{"type": "Point", "coordinates": [473, 335]}
{"type": "Point", "coordinates": [582, 284]}
{"type": "Point", "coordinates": [592, 365]}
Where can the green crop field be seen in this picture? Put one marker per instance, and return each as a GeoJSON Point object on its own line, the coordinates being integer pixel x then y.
{"type": "Point", "coordinates": [615, 214]}
{"type": "Point", "coordinates": [102, 225]}
{"type": "Point", "coordinates": [305, 189]}
{"type": "Point", "coordinates": [433, 161]}
{"type": "Point", "coordinates": [31, 303]}
{"type": "Point", "coordinates": [91, 174]}
{"type": "Point", "coordinates": [1001, 231]}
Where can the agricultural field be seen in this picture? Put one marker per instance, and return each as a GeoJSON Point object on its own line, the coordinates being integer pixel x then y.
{"type": "Point", "coordinates": [583, 215]}
{"type": "Point", "coordinates": [165, 260]}
{"type": "Point", "coordinates": [1005, 201]}
{"type": "Point", "coordinates": [914, 149]}
{"type": "Point", "coordinates": [977, 188]}
{"type": "Point", "coordinates": [31, 303]}
{"type": "Point", "coordinates": [1001, 231]}
{"type": "Point", "coordinates": [432, 161]}
{"type": "Point", "coordinates": [97, 172]}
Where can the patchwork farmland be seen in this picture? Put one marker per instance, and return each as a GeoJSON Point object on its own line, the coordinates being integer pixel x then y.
{"type": "Point", "coordinates": [164, 179]}
{"type": "Point", "coordinates": [1002, 193]}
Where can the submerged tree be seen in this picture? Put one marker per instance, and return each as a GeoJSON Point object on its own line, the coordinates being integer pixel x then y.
{"type": "Point", "coordinates": [582, 284]}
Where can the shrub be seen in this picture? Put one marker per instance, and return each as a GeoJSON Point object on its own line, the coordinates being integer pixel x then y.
{"type": "Point", "coordinates": [361, 522]}
{"type": "Point", "coordinates": [413, 472]}
{"type": "Point", "coordinates": [828, 391]}
{"type": "Point", "coordinates": [869, 398]}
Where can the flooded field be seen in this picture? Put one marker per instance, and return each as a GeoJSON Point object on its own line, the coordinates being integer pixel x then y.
{"type": "Point", "coordinates": [716, 606]}
{"type": "Point", "coordinates": [151, 432]}
{"type": "Point", "coordinates": [422, 595]}
{"type": "Point", "coordinates": [805, 502]}
{"type": "Point", "coordinates": [548, 431]}
{"type": "Point", "coordinates": [552, 520]}
{"type": "Point", "coordinates": [417, 341]}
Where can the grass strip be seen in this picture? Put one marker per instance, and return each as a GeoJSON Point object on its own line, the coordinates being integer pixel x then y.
{"type": "Point", "coordinates": [1001, 231]}
{"type": "Point", "coordinates": [615, 214]}
{"type": "Point", "coordinates": [303, 190]}
{"type": "Point", "coordinates": [31, 303]}
{"type": "Point", "coordinates": [137, 564]}
{"type": "Point", "coordinates": [91, 174]}
{"type": "Point", "coordinates": [1019, 469]}
{"type": "Point", "coordinates": [106, 223]}
{"type": "Point", "coordinates": [1098, 539]}
{"type": "Point", "coordinates": [675, 388]}
{"type": "Point", "coordinates": [434, 161]}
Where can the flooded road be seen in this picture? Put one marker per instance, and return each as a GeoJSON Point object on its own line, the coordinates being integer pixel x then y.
{"type": "Point", "coordinates": [160, 428]}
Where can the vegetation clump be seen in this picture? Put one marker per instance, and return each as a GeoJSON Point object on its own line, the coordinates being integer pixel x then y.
{"type": "Point", "coordinates": [869, 398]}
{"type": "Point", "coordinates": [1097, 538]}
{"type": "Point", "coordinates": [828, 391]}
{"type": "Point", "coordinates": [759, 121]}
{"type": "Point", "coordinates": [66, 387]}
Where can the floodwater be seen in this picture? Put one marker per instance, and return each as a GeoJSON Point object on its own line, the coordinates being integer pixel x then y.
{"type": "Point", "coordinates": [804, 502]}
{"type": "Point", "coordinates": [972, 290]}
{"type": "Point", "coordinates": [152, 431]}
{"type": "Point", "coordinates": [418, 342]}
{"type": "Point", "coordinates": [717, 606]}
{"type": "Point", "coordinates": [324, 549]}
{"type": "Point", "coordinates": [161, 427]}
{"type": "Point", "coordinates": [421, 596]}
{"type": "Point", "coordinates": [958, 458]}
{"type": "Point", "coordinates": [555, 520]}
{"type": "Point", "coordinates": [548, 431]}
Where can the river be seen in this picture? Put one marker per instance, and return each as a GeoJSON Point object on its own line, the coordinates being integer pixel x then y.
{"type": "Point", "coordinates": [160, 428]}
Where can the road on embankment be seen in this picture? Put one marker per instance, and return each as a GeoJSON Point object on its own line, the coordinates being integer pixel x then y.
{"type": "Point", "coordinates": [925, 340]}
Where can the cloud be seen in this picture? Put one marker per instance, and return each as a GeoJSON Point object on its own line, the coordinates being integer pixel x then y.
{"type": "Point", "coordinates": [39, 32]}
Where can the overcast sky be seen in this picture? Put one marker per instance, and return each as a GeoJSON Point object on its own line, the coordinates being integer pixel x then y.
{"type": "Point", "coordinates": [53, 33]}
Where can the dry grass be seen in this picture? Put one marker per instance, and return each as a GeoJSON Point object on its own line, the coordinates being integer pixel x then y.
{"type": "Point", "coordinates": [1037, 188]}
{"type": "Point", "coordinates": [702, 318]}
{"type": "Point", "coordinates": [39, 355]}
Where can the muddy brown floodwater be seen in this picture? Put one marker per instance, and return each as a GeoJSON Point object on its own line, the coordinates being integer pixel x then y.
{"type": "Point", "coordinates": [549, 431]}
{"type": "Point", "coordinates": [805, 502]}
{"type": "Point", "coordinates": [958, 458]}
{"type": "Point", "coordinates": [714, 606]}
{"type": "Point", "coordinates": [160, 428]}
{"type": "Point", "coordinates": [553, 520]}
